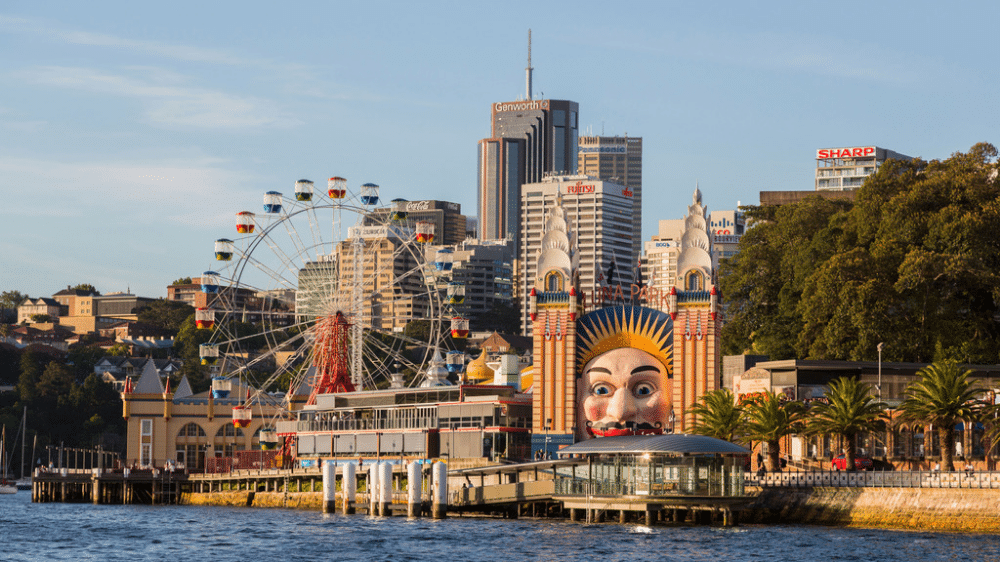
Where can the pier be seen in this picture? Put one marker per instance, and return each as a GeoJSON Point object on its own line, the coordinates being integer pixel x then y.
{"type": "Point", "coordinates": [102, 486]}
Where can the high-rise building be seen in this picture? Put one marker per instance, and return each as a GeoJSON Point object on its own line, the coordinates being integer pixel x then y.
{"type": "Point", "coordinates": [485, 270]}
{"type": "Point", "coordinates": [601, 214]}
{"type": "Point", "coordinates": [372, 275]}
{"type": "Point", "coordinates": [618, 160]}
{"type": "Point", "coordinates": [528, 138]}
{"type": "Point", "coordinates": [844, 169]}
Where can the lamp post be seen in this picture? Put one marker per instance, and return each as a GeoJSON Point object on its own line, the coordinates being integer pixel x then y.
{"type": "Point", "coordinates": [878, 387]}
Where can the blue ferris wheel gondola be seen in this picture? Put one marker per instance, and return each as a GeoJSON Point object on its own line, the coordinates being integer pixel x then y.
{"type": "Point", "coordinates": [369, 194]}
{"type": "Point", "coordinates": [272, 202]}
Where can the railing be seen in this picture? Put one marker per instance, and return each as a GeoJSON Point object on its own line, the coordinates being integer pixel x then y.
{"type": "Point", "coordinates": [876, 479]}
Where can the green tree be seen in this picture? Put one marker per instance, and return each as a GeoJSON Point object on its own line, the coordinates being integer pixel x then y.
{"type": "Point", "coordinates": [57, 380]}
{"type": "Point", "coordinates": [86, 287]}
{"type": "Point", "coordinates": [32, 365]}
{"type": "Point", "coordinates": [40, 318]}
{"type": "Point", "coordinates": [763, 283]}
{"type": "Point", "coordinates": [165, 314]}
{"type": "Point", "coordinates": [912, 263]}
{"type": "Point", "coordinates": [718, 415]}
{"type": "Point", "coordinates": [851, 410]}
{"type": "Point", "coordinates": [182, 281]}
{"type": "Point", "coordinates": [770, 417]}
{"type": "Point", "coordinates": [940, 398]}
{"type": "Point", "coordinates": [119, 349]}
{"type": "Point", "coordinates": [9, 301]}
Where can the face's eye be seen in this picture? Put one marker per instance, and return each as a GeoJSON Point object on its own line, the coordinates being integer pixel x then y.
{"type": "Point", "coordinates": [643, 389]}
{"type": "Point", "coordinates": [602, 389]}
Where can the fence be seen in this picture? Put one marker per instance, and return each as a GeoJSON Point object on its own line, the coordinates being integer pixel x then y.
{"type": "Point", "coordinates": [244, 460]}
{"type": "Point", "coordinates": [876, 479]}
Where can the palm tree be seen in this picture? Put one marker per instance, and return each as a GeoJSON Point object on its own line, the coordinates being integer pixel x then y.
{"type": "Point", "coordinates": [851, 410]}
{"type": "Point", "coordinates": [769, 418]}
{"type": "Point", "coordinates": [718, 415]}
{"type": "Point", "coordinates": [942, 396]}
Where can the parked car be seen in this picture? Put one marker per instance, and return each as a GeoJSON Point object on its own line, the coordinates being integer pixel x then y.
{"type": "Point", "coordinates": [860, 463]}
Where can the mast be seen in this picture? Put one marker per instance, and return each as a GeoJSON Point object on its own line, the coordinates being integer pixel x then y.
{"type": "Point", "coordinates": [24, 433]}
{"type": "Point", "coordinates": [528, 70]}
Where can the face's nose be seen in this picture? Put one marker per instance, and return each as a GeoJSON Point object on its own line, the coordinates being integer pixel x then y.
{"type": "Point", "coordinates": [622, 405]}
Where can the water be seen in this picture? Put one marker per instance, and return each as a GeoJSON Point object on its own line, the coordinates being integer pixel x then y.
{"type": "Point", "coordinates": [51, 532]}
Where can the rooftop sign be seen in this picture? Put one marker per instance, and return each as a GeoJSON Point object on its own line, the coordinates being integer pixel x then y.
{"type": "Point", "coordinates": [853, 152]}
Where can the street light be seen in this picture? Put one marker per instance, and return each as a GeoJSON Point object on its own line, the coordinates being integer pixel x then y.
{"type": "Point", "coordinates": [878, 387]}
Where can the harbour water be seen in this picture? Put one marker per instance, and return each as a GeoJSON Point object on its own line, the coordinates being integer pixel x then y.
{"type": "Point", "coordinates": [54, 531]}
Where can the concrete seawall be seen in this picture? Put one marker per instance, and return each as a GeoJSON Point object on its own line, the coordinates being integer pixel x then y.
{"type": "Point", "coordinates": [924, 509]}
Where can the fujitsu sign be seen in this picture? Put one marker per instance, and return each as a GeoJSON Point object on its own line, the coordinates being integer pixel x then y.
{"type": "Point", "coordinates": [854, 152]}
{"type": "Point", "coordinates": [580, 187]}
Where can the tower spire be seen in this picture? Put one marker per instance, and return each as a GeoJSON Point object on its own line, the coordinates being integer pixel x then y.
{"type": "Point", "coordinates": [528, 70]}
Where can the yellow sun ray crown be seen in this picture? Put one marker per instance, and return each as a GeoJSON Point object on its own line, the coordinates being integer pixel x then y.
{"type": "Point", "coordinates": [615, 327]}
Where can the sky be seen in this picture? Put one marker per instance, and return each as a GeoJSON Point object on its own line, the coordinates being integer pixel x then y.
{"type": "Point", "coordinates": [131, 133]}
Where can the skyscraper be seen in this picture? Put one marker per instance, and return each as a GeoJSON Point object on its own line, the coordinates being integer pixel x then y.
{"type": "Point", "coordinates": [617, 160]}
{"type": "Point", "coordinates": [528, 138]}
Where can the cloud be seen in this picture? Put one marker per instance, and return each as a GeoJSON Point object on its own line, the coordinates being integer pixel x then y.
{"type": "Point", "coordinates": [169, 102]}
{"type": "Point", "coordinates": [179, 193]}
{"type": "Point", "coordinates": [10, 24]}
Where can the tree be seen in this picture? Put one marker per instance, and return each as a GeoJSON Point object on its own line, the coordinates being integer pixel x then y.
{"type": "Point", "coordinates": [86, 287]}
{"type": "Point", "coordinates": [40, 318]}
{"type": "Point", "coordinates": [56, 380]}
{"type": "Point", "coordinates": [941, 397]}
{"type": "Point", "coordinates": [851, 410]}
{"type": "Point", "coordinates": [119, 349]}
{"type": "Point", "coordinates": [182, 281]}
{"type": "Point", "coordinates": [912, 263]}
{"type": "Point", "coordinates": [769, 417]}
{"type": "Point", "coordinates": [718, 415]}
{"type": "Point", "coordinates": [165, 314]}
{"type": "Point", "coordinates": [763, 283]}
{"type": "Point", "coordinates": [9, 301]}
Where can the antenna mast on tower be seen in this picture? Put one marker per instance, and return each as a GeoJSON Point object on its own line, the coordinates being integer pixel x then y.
{"type": "Point", "coordinates": [529, 69]}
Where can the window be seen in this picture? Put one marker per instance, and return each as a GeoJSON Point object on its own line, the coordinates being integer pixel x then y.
{"type": "Point", "coordinates": [146, 443]}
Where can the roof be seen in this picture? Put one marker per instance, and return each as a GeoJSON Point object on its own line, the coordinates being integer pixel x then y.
{"type": "Point", "coordinates": [679, 443]}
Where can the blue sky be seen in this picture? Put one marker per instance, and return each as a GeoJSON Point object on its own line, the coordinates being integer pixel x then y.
{"type": "Point", "coordinates": [130, 133]}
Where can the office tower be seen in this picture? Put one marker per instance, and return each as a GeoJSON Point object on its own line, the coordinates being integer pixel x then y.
{"type": "Point", "coordinates": [527, 139]}
{"type": "Point", "coordinates": [618, 160]}
{"type": "Point", "coordinates": [845, 169]}
{"type": "Point", "coordinates": [601, 214]}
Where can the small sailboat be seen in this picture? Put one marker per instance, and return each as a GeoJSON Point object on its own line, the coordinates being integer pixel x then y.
{"type": "Point", "coordinates": [6, 487]}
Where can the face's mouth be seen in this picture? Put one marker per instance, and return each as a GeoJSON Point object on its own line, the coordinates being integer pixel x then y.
{"type": "Point", "coordinates": [614, 429]}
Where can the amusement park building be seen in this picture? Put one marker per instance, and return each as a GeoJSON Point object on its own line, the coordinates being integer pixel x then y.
{"type": "Point", "coordinates": [905, 445]}
{"type": "Point", "coordinates": [177, 425]}
{"type": "Point", "coordinates": [450, 422]}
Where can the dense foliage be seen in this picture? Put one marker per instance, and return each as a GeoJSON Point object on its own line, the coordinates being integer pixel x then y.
{"type": "Point", "coordinates": [913, 263]}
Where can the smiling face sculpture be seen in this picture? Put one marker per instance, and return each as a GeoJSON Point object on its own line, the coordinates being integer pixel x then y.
{"type": "Point", "coordinates": [624, 359]}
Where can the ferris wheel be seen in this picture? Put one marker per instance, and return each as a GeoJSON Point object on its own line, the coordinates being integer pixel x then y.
{"type": "Point", "coordinates": [317, 290]}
